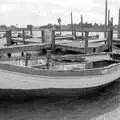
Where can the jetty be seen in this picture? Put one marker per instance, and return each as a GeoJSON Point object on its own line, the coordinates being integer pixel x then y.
{"type": "Point", "coordinates": [49, 41]}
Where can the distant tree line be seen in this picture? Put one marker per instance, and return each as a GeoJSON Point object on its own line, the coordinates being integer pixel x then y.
{"type": "Point", "coordinates": [57, 26]}
{"type": "Point", "coordinates": [75, 26]}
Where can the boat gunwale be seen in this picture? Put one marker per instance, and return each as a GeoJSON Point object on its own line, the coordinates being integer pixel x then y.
{"type": "Point", "coordinates": [46, 72]}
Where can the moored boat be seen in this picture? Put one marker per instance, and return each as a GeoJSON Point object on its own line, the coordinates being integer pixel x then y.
{"type": "Point", "coordinates": [67, 75]}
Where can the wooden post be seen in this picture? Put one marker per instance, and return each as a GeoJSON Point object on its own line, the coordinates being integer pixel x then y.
{"type": "Point", "coordinates": [27, 58]}
{"type": "Point", "coordinates": [60, 29]}
{"type": "Point", "coordinates": [9, 37]}
{"type": "Point", "coordinates": [119, 25]}
{"type": "Point", "coordinates": [108, 38]}
{"type": "Point", "coordinates": [31, 33]}
{"type": "Point", "coordinates": [48, 58]}
{"type": "Point", "coordinates": [23, 36]}
{"type": "Point", "coordinates": [72, 23]}
{"type": "Point", "coordinates": [86, 41]}
{"type": "Point", "coordinates": [108, 22]}
{"type": "Point", "coordinates": [22, 54]}
{"type": "Point", "coordinates": [53, 40]}
{"type": "Point", "coordinates": [108, 16]}
{"type": "Point", "coordinates": [9, 41]}
{"type": "Point", "coordinates": [110, 35]}
{"type": "Point", "coordinates": [9, 55]}
{"type": "Point", "coordinates": [82, 25]}
{"type": "Point", "coordinates": [29, 28]}
{"type": "Point", "coordinates": [106, 10]}
{"type": "Point", "coordinates": [74, 34]}
{"type": "Point", "coordinates": [72, 27]}
{"type": "Point", "coordinates": [26, 61]}
{"type": "Point", "coordinates": [42, 36]}
{"type": "Point", "coordinates": [59, 21]}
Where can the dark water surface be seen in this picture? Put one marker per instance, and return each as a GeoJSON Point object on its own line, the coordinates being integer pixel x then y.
{"type": "Point", "coordinates": [104, 105]}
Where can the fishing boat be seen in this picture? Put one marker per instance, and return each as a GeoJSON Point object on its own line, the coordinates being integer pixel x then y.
{"type": "Point", "coordinates": [65, 75]}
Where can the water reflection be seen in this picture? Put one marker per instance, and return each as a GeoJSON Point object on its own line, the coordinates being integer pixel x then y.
{"type": "Point", "coordinates": [99, 106]}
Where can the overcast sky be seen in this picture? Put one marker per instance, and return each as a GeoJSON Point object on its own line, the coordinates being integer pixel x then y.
{"type": "Point", "coordinates": [39, 12]}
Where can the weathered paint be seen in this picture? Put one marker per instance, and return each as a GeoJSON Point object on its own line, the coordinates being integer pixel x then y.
{"type": "Point", "coordinates": [30, 78]}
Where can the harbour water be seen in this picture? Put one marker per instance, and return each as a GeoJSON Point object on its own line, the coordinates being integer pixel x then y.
{"type": "Point", "coordinates": [103, 105]}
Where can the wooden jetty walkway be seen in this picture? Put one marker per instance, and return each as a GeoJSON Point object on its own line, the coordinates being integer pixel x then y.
{"type": "Point", "coordinates": [27, 41]}
{"type": "Point", "coordinates": [76, 46]}
{"type": "Point", "coordinates": [23, 48]}
{"type": "Point", "coordinates": [49, 41]}
{"type": "Point", "coordinates": [79, 46]}
{"type": "Point", "coordinates": [38, 39]}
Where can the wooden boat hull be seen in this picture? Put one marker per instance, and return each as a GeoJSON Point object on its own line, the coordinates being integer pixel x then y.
{"type": "Point", "coordinates": [23, 81]}
{"type": "Point", "coordinates": [20, 94]}
{"type": "Point", "coordinates": [31, 81]}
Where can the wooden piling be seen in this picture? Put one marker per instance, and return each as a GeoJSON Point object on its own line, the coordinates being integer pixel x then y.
{"type": "Point", "coordinates": [108, 16]}
{"type": "Point", "coordinates": [108, 38]}
{"type": "Point", "coordinates": [53, 40]}
{"type": "Point", "coordinates": [82, 25]}
{"type": "Point", "coordinates": [86, 41]}
{"type": "Point", "coordinates": [27, 58]}
{"type": "Point", "coordinates": [29, 28]}
{"type": "Point", "coordinates": [42, 36]}
{"type": "Point", "coordinates": [59, 21]}
{"type": "Point", "coordinates": [31, 33]}
{"type": "Point", "coordinates": [74, 35]}
{"type": "Point", "coordinates": [9, 37]}
{"type": "Point", "coordinates": [26, 62]}
{"type": "Point", "coordinates": [23, 36]}
{"type": "Point", "coordinates": [48, 59]}
{"type": "Point", "coordinates": [106, 10]}
{"type": "Point", "coordinates": [9, 55]}
{"type": "Point", "coordinates": [60, 29]}
{"type": "Point", "coordinates": [119, 25]}
{"type": "Point", "coordinates": [108, 20]}
{"type": "Point", "coordinates": [72, 24]}
{"type": "Point", "coordinates": [9, 40]}
{"type": "Point", "coordinates": [22, 54]}
{"type": "Point", "coordinates": [110, 35]}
